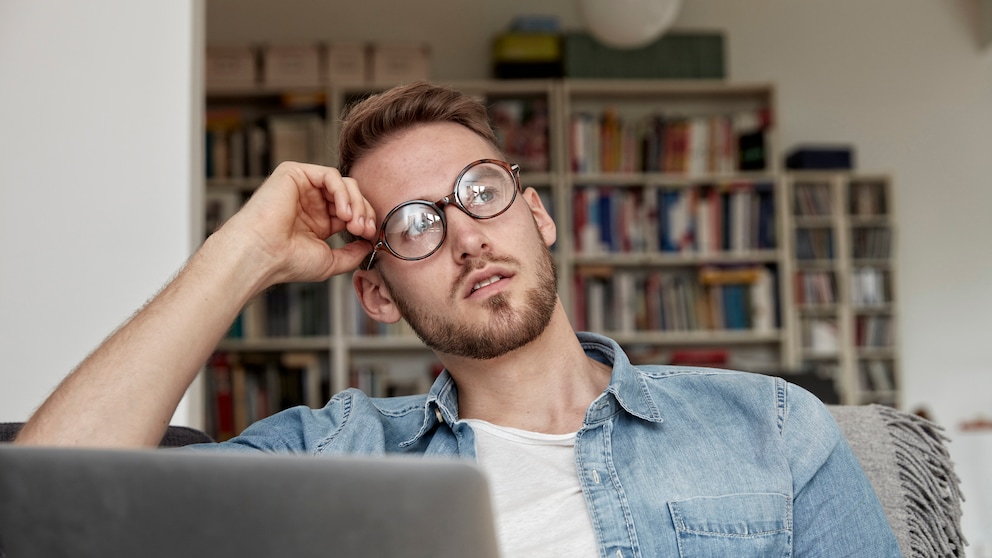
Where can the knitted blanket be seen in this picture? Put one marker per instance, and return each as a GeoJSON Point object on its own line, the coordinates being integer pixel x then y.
{"type": "Point", "coordinates": [906, 460]}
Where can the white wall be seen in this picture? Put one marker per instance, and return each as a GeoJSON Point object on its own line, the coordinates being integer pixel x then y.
{"type": "Point", "coordinates": [904, 81]}
{"type": "Point", "coordinates": [100, 109]}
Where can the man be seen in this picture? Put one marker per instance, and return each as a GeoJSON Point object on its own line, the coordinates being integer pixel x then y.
{"type": "Point", "coordinates": [587, 455]}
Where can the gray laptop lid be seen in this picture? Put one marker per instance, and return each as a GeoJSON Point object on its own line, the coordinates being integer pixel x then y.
{"type": "Point", "coordinates": [151, 503]}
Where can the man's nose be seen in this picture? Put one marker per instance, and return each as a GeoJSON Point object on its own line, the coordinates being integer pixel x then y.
{"type": "Point", "coordinates": [466, 234]}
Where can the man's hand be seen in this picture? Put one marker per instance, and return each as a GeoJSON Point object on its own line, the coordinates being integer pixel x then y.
{"type": "Point", "coordinates": [292, 214]}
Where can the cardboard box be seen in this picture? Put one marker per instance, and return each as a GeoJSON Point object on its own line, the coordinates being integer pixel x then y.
{"type": "Point", "coordinates": [347, 64]}
{"type": "Point", "coordinates": [230, 67]}
{"type": "Point", "coordinates": [292, 66]}
{"type": "Point", "coordinates": [396, 64]}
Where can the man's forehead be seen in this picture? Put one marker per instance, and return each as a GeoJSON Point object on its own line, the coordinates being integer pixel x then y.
{"type": "Point", "coordinates": [420, 163]}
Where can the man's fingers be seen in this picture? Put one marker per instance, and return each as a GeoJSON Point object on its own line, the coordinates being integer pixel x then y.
{"type": "Point", "coordinates": [349, 205]}
{"type": "Point", "coordinates": [363, 221]}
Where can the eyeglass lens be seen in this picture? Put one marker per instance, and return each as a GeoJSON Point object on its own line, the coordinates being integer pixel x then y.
{"type": "Point", "coordinates": [415, 229]}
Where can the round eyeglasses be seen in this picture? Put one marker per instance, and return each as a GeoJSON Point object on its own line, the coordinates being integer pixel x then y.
{"type": "Point", "coordinates": [415, 229]}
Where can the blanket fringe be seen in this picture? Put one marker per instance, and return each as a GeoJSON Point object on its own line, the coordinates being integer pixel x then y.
{"type": "Point", "coordinates": [932, 487]}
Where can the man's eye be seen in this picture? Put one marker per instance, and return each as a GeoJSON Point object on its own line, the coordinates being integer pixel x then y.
{"type": "Point", "coordinates": [420, 224]}
{"type": "Point", "coordinates": [482, 195]}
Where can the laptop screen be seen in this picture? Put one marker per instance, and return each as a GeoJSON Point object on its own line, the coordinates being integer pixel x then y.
{"type": "Point", "coordinates": [150, 503]}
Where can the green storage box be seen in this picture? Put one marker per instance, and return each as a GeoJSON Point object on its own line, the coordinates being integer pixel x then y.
{"type": "Point", "coordinates": [676, 55]}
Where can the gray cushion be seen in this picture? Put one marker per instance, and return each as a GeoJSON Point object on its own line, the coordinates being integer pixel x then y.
{"type": "Point", "coordinates": [175, 436]}
{"type": "Point", "coordinates": [906, 460]}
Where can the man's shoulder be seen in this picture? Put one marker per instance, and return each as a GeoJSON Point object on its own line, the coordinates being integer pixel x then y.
{"type": "Point", "coordinates": [719, 382]}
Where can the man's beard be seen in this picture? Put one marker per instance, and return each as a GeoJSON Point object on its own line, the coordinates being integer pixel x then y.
{"type": "Point", "coordinates": [506, 331]}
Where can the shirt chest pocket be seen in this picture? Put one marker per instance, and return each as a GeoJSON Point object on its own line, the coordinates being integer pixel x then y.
{"type": "Point", "coordinates": [738, 525]}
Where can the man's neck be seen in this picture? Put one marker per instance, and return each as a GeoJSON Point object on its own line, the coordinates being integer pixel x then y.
{"type": "Point", "coordinates": [544, 386]}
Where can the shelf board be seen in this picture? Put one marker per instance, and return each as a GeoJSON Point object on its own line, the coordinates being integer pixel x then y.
{"type": "Point", "coordinates": [818, 310]}
{"type": "Point", "coordinates": [874, 309]}
{"type": "Point", "coordinates": [870, 220]}
{"type": "Point", "coordinates": [871, 262]}
{"type": "Point", "coordinates": [316, 343]}
{"type": "Point", "coordinates": [813, 221]}
{"type": "Point", "coordinates": [704, 337]}
{"type": "Point", "coordinates": [875, 353]}
{"type": "Point", "coordinates": [665, 179]}
{"type": "Point", "coordinates": [384, 342]}
{"type": "Point", "coordinates": [645, 259]}
{"type": "Point", "coordinates": [814, 355]}
{"type": "Point", "coordinates": [246, 184]}
{"type": "Point", "coordinates": [262, 91]}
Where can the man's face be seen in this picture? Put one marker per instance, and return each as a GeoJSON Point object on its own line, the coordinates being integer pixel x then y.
{"type": "Point", "coordinates": [491, 287]}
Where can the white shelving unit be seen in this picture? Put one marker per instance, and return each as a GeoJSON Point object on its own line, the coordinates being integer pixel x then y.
{"type": "Point", "coordinates": [843, 257]}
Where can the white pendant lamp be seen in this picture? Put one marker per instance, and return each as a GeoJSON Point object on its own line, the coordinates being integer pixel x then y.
{"type": "Point", "coordinates": [628, 23]}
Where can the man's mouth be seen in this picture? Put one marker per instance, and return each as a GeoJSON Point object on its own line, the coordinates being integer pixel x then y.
{"type": "Point", "coordinates": [486, 282]}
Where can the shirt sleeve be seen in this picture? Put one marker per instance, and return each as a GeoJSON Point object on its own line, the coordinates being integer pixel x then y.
{"type": "Point", "coordinates": [835, 509]}
{"type": "Point", "coordinates": [295, 430]}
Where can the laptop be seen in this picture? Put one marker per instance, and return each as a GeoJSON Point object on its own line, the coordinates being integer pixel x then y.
{"type": "Point", "coordinates": [159, 503]}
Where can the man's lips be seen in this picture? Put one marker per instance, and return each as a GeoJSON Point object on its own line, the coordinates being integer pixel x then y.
{"type": "Point", "coordinates": [482, 279]}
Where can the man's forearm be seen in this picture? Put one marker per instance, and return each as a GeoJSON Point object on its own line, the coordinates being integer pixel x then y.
{"type": "Point", "coordinates": [126, 391]}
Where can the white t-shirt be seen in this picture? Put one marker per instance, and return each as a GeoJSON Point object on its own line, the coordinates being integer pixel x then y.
{"type": "Point", "coordinates": [540, 510]}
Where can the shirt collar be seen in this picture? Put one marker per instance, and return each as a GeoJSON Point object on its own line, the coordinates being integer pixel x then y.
{"type": "Point", "coordinates": [627, 389]}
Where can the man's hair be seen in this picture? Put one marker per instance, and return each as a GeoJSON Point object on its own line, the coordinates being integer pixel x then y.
{"type": "Point", "coordinates": [372, 121]}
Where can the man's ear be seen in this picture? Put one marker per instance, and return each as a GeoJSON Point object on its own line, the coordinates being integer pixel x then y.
{"type": "Point", "coordinates": [545, 224]}
{"type": "Point", "coordinates": [375, 296]}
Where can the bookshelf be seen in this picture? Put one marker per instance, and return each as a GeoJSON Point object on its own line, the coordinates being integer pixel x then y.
{"type": "Point", "coordinates": [676, 238]}
{"type": "Point", "coordinates": [842, 263]}
{"type": "Point", "coordinates": [670, 228]}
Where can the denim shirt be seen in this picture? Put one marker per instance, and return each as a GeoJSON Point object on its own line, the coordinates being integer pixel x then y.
{"type": "Point", "coordinates": [673, 461]}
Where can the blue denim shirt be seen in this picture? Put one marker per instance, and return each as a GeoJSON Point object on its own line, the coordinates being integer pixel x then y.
{"type": "Point", "coordinates": [673, 461]}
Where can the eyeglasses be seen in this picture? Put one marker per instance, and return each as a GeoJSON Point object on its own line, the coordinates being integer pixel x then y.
{"type": "Point", "coordinates": [415, 229]}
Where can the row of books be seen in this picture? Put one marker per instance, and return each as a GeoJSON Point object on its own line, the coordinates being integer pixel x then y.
{"type": "Point", "coordinates": [867, 199]}
{"type": "Point", "coordinates": [239, 148]}
{"type": "Point", "coordinates": [814, 243]}
{"type": "Point", "coordinates": [815, 287]}
{"type": "Point", "coordinates": [874, 331]}
{"type": "Point", "coordinates": [871, 242]}
{"type": "Point", "coordinates": [819, 335]}
{"type": "Point", "coordinates": [521, 126]}
{"type": "Point", "coordinates": [870, 286]}
{"type": "Point", "coordinates": [613, 300]}
{"type": "Point", "coordinates": [812, 199]}
{"type": "Point", "coordinates": [700, 144]}
{"type": "Point", "coordinates": [730, 217]}
{"type": "Point", "coordinates": [286, 310]}
{"type": "Point", "coordinates": [876, 375]}
{"type": "Point", "coordinates": [247, 387]}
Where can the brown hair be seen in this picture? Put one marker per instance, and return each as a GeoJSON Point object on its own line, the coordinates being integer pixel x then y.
{"type": "Point", "coordinates": [370, 122]}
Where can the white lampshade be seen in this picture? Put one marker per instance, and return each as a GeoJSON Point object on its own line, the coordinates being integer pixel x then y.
{"type": "Point", "coordinates": [628, 23]}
